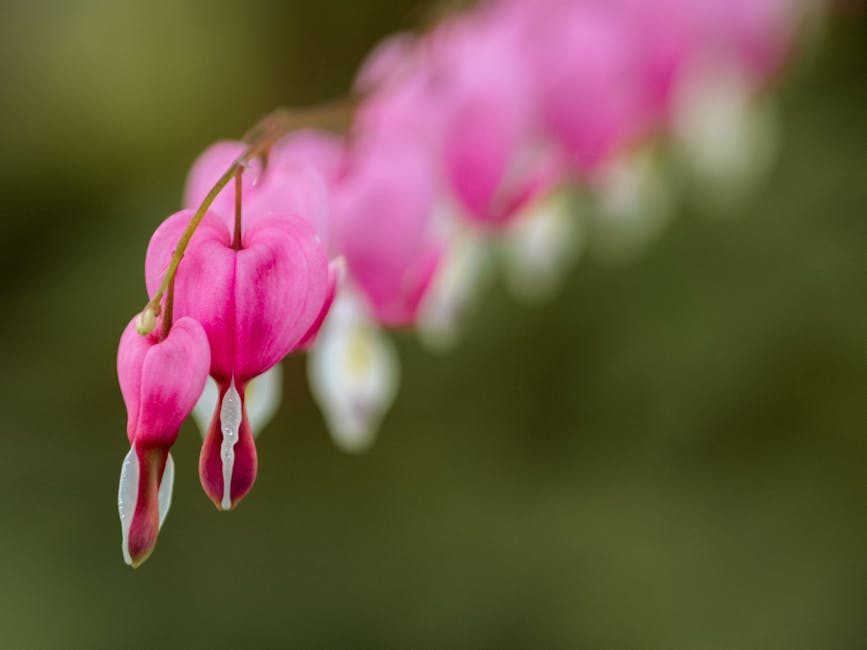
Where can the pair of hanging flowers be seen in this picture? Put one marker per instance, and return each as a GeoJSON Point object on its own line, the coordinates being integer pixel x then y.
{"type": "Point", "coordinates": [467, 138]}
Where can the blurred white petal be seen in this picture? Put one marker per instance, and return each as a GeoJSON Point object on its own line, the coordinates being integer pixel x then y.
{"type": "Point", "coordinates": [262, 398]}
{"type": "Point", "coordinates": [541, 245]}
{"type": "Point", "coordinates": [353, 372]}
{"type": "Point", "coordinates": [203, 411]}
{"type": "Point", "coordinates": [726, 138]}
{"type": "Point", "coordinates": [633, 205]}
{"type": "Point", "coordinates": [458, 281]}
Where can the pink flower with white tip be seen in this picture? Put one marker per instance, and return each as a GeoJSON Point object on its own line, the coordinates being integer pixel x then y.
{"type": "Point", "coordinates": [257, 299]}
{"type": "Point", "coordinates": [161, 379]}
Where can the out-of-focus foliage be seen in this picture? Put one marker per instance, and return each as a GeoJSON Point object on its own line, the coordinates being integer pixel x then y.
{"type": "Point", "coordinates": [670, 454]}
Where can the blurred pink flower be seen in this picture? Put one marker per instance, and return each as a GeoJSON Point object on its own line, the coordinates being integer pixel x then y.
{"type": "Point", "coordinates": [586, 74]}
{"type": "Point", "coordinates": [382, 225]}
{"type": "Point", "coordinates": [494, 157]}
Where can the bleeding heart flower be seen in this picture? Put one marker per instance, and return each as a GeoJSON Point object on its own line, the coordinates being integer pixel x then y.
{"type": "Point", "coordinates": [258, 300]}
{"type": "Point", "coordinates": [493, 154]}
{"type": "Point", "coordinates": [586, 70]}
{"type": "Point", "coordinates": [383, 224]}
{"type": "Point", "coordinates": [160, 379]}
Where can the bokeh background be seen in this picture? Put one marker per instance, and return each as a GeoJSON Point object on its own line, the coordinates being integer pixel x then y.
{"type": "Point", "coordinates": [670, 454]}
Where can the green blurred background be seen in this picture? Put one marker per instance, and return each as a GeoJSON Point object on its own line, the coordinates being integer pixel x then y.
{"type": "Point", "coordinates": [671, 454]}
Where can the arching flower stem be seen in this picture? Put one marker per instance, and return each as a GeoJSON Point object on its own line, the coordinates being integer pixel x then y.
{"type": "Point", "coordinates": [334, 116]}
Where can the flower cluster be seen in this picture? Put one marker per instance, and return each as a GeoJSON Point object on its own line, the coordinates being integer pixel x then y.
{"type": "Point", "coordinates": [468, 140]}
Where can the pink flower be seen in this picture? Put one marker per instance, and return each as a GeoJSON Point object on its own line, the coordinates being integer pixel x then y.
{"type": "Point", "coordinates": [383, 211]}
{"type": "Point", "coordinates": [257, 303]}
{"type": "Point", "coordinates": [397, 85]}
{"type": "Point", "coordinates": [493, 156]}
{"type": "Point", "coordinates": [676, 38]}
{"type": "Point", "coordinates": [586, 72]}
{"type": "Point", "coordinates": [668, 34]}
{"type": "Point", "coordinates": [160, 379]}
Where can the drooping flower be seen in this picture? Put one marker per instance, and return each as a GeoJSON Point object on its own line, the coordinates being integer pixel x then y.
{"type": "Point", "coordinates": [161, 379]}
{"type": "Point", "coordinates": [382, 227]}
{"type": "Point", "coordinates": [493, 156]}
{"type": "Point", "coordinates": [586, 72]}
{"type": "Point", "coordinates": [301, 165]}
{"type": "Point", "coordinates": [257, 299]}
{"type": "Point", "coordinates": [383, 224]}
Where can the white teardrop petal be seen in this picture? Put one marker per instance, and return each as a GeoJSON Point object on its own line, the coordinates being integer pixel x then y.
{"type": "Point", "coordinates": [353, 371]}
{"type": "Point", "coordinates": [634, 205]}
{"type": "Point", "coordinates": [204, 409]}
{"type": "Point", "coordinates": [127, 497]}
{"type": "Point", "coordinates": [726, 138]}
{"type": "Point", "coordinates": [457, 283]}
{"type": "Point", "coordinates": [167, 484]}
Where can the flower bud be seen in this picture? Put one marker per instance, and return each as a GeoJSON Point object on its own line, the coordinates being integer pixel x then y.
{"type": "Point", "coordinates": [146, 321]}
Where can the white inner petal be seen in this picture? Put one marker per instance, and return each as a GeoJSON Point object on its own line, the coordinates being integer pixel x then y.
{"type": "Point", "coordinates": [633, 206]}
{"type": "Point", "coordinates": [541, 245]}
{"type": "Point", "coordinates": [204, 409]}
{"type": "Point", "coordinates": [230, 422]}
{"type": "Point", "coordinates": [167, 484]}
{"type": "Point", "coordinates": [353, 372]}
{"type": "Point", "coordinates": [726, 138]}
{"type": "Point", "coordinates": [127, 495]}
{"type": "Point", "coordinates": [457, 282]}
{"type": "Point", "coordinates": [262, 397]}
